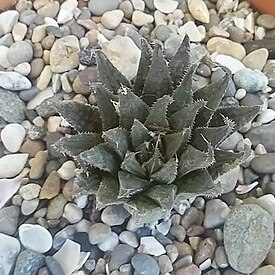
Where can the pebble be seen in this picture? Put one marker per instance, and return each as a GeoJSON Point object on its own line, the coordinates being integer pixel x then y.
{"type": "Point", "coordinates": [51, 186]}
{"type": "Point", "coordinates": [266, 116]}
{"type": "Point", "coordinates": [109, 243]}
{"type": "Point", "coordinates": [15, 55]}
{"type": "Point", "coordinates": [23, 68]}
{"type": "Point", "coordinates": [151, 246]}
{"type": "Point", "coordinates": [55, 207]}
{"type": "Point", "coordinates": [31, 147]}
{"type": "Point", "coordinates": [140, 18]}
{"type": "Point", "coordinates": [44, 78]}
{"type": "Point", "coordinates": [256, 228]}
{"type": "Point", "coordinates": [12, 137]}
{"type": "Point", "coordinates": [99, 7]}
{"type": "Point", "coordinates": [178, 231]}
{"type": "Point", "coordinates": [12, 165]}
{"type": "Point", "coordinates": [206, 250]}
{"type": "Point", "coordinates": [39, 98]}
{"type": "Point", "coordinates": [227, 47]}
{"type": "Point", "coordinates": [189, 217]}
{"type": "Point", "coordinates": [114, 215]}
{"type": "Point", "coordinates": [9, 219]}
{"type": "Point", "coordinates": [199, 10]}
{"type": "Point", "coordinates": [112, 19]}
{"type": "Point", "coordinates": [54, 266]}
{"type": "Point", "coordinates": [165, 264]}
{"type": "Point", "coordinates": [216, 212]}
{"type": "Point", "coordinates": [269, 72]}
{"type": "Point", "coordinates": [35, 237]}
{"type": "Point", "coordinates": [64, 54]}
{"type": "Point", "coordinates": [30, 191]}
{"type": "Point", "coordinates": [98, 232]}
{"type": "Point", "coordinates": [266, 20]}
{"type": "Point", "coordinates": [19, 31]}
{"type": "Point", "coordinates": [265, 270]}
{"type": "Point", "coordinates": [220, 257]}
{"type": "Point", "coordinates": [122, 254]}
{"type": "Point", "coordinates": [167, 6]}
{"type": "Point", "coordinates": [66, 11]}
{"type": "Point", "coordinates": [264, 163]}
{"type": "Point", "coordinates": [250, 80]}
{"type": "Point", "coordinates": [7, 20]}
{"type": "Point", "coordinates": [28, 262]}
{"type": "Point", "coordinates": [145, 264]}
{"type": "Point", "coordinates": [190, 29]}
{"type": "Point", "coordinates": [67, 170]}
{"type": "Point", "coordinates": [256, 60]}
{"type": "Point", "coordinates": [229, 62]}
{"type": "Point", "coordinates": [240, 94]}
{"type": "Point", "coordinates": [29, 206]}
{"type": "Point", "coordinates": [38, 164]}
{"type": "Point", "coordinates": [162, 32]}
{"type": "Point", "coordinates": [49, 10]}
{"type": "Point", "coordinates": [4, 62]}
{"type": "Point", "coordinates": [14, 81]}
{"type": "Point", "coordinates": [72, 213]}
{"type": "Point", "coordinates": [267, 202]}
{"type": "Point", "coordinates": [189, 270]}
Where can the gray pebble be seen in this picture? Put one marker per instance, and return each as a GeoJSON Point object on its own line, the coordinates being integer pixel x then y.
{"type": "Point", "coordinates": [162, 32]}
{"type": "Point", "coordinates": [249, 176]}
{"type": "Point", "coordinates": [178, 231]}
{"type": "Point", "coordinates": [145, 264]}
{"type": "Point", "coordinates": [171, 45]}
{"type": "Point", "coordinates": [99, 232]}
{"type": "Point", "coordinates": [264, 163]}
{"type": "Point", "coordinates": [54, 266]}
{"type": "Point", "coordinates": [127, 8]}
{"type": "Point", "coordinates": [19, 52]}
{"type": "Point", "coordinates": [251, 100]}
{"type": "Point", "coordinates": [85, 14]}
{"type": "Point", "coordinates": [190, 216]}
{"type": "Point", "coordinates": [114, 215]}
{"type": "Point", "coordinates": [165, 264]}
{"type": "Point", "coordinates": [6, 40]}
{"type": "Point", "coordinates": [63, 235]}
{"type": "Point", "coordinates": [220, 257]}
{"type": "Point", "coordinates": [9, 219]}
{"type": "Point", "coordinates": [77, 30]}
{"type": "Point", "coordinates": [99, 7]}
{"type": "Point", "coordinates": [54, 31]}
{"type": "Point", "coordinates": [204, 70]}
{"type": "Point", "coordinates": [29, 94]}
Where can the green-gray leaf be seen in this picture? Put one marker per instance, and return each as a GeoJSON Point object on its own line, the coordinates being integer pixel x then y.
{"type": "Point", "coordinates": [139, 133]}
{"type": "Point", "coordinates": [154, 163]}
{"type": "Point", "coordinates": [87, 183]}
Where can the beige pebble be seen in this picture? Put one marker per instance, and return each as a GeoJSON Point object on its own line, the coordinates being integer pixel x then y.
{"type": "Point", "coordinates": [46, 57]}
{"type": "Point", "coordinates": [19, 31]}
{"type": "Point", "coordinates": [80, 88]}
{"type": "Point", "coordinates": [37, 50]}
{"type": "Point", "coordinates": [53, 123]}
{"type": "Point", "coordinates": [37, 66]}
{"type": "Point", "coordinates": [66, 86]}
{"type": "Point", "coordinates": [215, 31]}
{"type": "Point", "coordinates": [266, 20]}
{"type": "Point", "coordinates": [38, 34]}
{"type": "Point", "coordinates": [51, 186]}
{"type": "Point", "coordinates": [250, 23]}
{"type": "Point", "coordinates": [38, 164]}
{"type": "Point", "coordinates": [191, 30]}
{"type": "Point", "coordinates": [160, 18]}
{"type": "Point", "coordinates": [111, 19]}
{"type": "Point", "coordinates": [38, 121]}
{"type": "Point", "coordinates": [140, 18]}
{"type": "Point", "coordinates": [38, 4]}
{"type": "Point", "coordinates": [49, 10]}
{"type": "Point", "coordinates": [29, 191]}
{"type": "Point", "coordinates": [256, 59]}
{"type": "Point", "coordinates": [44, 78]}
{"type": "Point", "coordinates": [47, 42]}
{"type": "Point", "coordinates": [32, 147]}
{"type": "Point", "coordinates": [199, 10]}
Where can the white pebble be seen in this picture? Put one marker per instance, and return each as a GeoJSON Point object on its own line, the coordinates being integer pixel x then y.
{"type": "Point", "coordinates": [240, 94]}
{"type": "Point", "coordinates": [140, 18]}
{"type": "Point", "coordinates": [230, 62]}
{"type": "Point", "coordinates": [66, 11]}
{"type": "Point", "coordinates": [67, 170]}
{"type": "Point", "coordinates": [30, 191]}
{"type": "Point", "coordinates": [260, 149]}
{"type": "Point", "coordinates": [149, 245]}
{"type": "Point", "coordinates": [72, 213]}
{"type": "Point", "coordinates": [191, 30]}
{"type": "Point", "coordinates": [112, 19]}
{"type": "Point", "coordinates": [267, 116]}
{"type": "Point", "coordinates": [166, 6]}
{"type": "Point", "coordinates": [110, 243]}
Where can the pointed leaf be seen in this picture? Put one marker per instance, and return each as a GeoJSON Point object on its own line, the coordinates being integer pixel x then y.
{"type": "Point", "coordinates": [75, 144]}
{"type": "Point", "coordinates": [154, 163]}
{"type": "Point", "coordinates": [183, 94]}
{"type": "Point", "coordinates": [213, 94]}
{"type": "Point", "coordinates": [87, 183]}
{"type": "Point", "coordinates": [108, 74]}
{"type": "Point", "coordinates": [197, 183]}
{"type": "Point", "coordinates": [107, 193]}
{"type": "Point", "coordinates": [130, 185]}
{"type": "Point", "coordinates": [101, 157]}
{"type": "Point", "coordinates": [168, 173]}
{"type": "Point", "coordinates": [139, 133]}
{"type": "Point", "coordinates": [82, 117]}
{"type": "Point", "coordinates": [158, 81]}
{"type": "Point", "coordinates": [131, 107]}
{"type": "Point", "coordinates": [173, 142]}
{"type": "Point", "coordinates": [157, 115]}
{"type": "Point", "coordinates": [164, 195]}
{"type": "Point", "coordinates": [108, 113]}
{"type": "Point", "coordinates": [185, 117]}
{"type": "Point", "coordinates": [144, 66]}
{"type": "Point", "coordinates": [194, 159]}
{"type": "Point", "coordinates": [241, 115]}
{"type": "Point", "coordinates": [117, 139]}
{"type": "Point", "coordinates": [180, 62]}
{"type": "Point", "coordinates": [215, 135]}
{"type": "Point", "coordinates": [131, 165]}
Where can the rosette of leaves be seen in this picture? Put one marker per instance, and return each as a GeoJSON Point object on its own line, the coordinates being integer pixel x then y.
{"type": "Point", "coordinates": [152, 142]}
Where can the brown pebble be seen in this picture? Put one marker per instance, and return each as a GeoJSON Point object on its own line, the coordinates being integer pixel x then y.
{"type": "Point", "coordinates": [32, 147]}
{"type": "Point", "coordinates": [51, 186]}
{"type": "Point", "coordinates": [184, 249]}
{"type": "Point", "coordinates": [206, 250]}
{"type": "Point", "coordinates": [189, 270]}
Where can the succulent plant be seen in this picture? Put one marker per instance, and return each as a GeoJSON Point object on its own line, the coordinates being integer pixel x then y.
{"type": "Point", "coordinates": [153, 142]}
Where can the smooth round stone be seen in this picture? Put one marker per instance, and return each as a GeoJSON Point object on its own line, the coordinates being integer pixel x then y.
{"type": "Point", "coordinates": [56, 206]}
{"type": "Point", "coordinates": [265, 270]}
{"type": "Point", "coordinates": [240, 94]}
{"type": "Point", "coordinates": [264, 163]}
{"type": "Point", "coordinates": [165, 264]}
{"type": "Point", "coordinates": [23, 68]}
{"type": "Point", "coordinates": [29, 206]}
{"type": "Point", "coordinates": [67, 170]}
{"type": "Point", "coordinates": [99, 232]}
{"type": "Point", "coordinates": [12, 136]}
{"type": "Point", "coordinates": [255, 225]}
{"type": "Point", "coordinates": [216, 212]}
{"type": "Point", "coordinates": [127, 9]}
{"type": "Point", "coordinates": [114, 215]}
{"type": "Point", "coordinates": [9, 219]}
{"type": "Point", "coordinates": [162, 32]}
{"type": "Point", "coordinates": [38, 164]}
{"type": "Point", "coordinates": [140, 18]}
{"type": "Point", "coordinates": [165, 6]}
{"type": "Point", "coordinates": [230, 62]}
{"type": "Point", "coordinates": [266, 116]}
{"type": "Point", "coordinates": [129, 238]}
{"type": "Point", "coordinates": [256, 60]}
{"type": "Point", "coordinates": [66, 11]}
{"type": "Point", "coordinates": [151, 246]}
{"type": "Point", "coordinates": [14, 81]}
{"type": "Point", "coordinates": [189, 270]}
{"type": "Point", "coordinates": [178, 231]}
{"type": "Point", "coordinates": [51, 186]}
{"type": "Point", "coordinates": [111, 19]}
{"type": "Point", "coordinates": [205, 250]}
{"type": "Point", "coordinates": [72, 213]}
{"type": "Point", "coordinates": [145, 264]}
{"type": "Point", "coordinates": [266, 20]}
{"type": "Point", "coordinates": [4, 62]}
{"type": "Point", "coordinates": [250, 80]}
{"type": "Point", "coordinates": [30, 191]}
{"type": "Point", "coordinates": [220, 257]}
{"type": "Point", "coordinates": [190, 29]}
{"type": "Point", "coordinates": [267, 202]}
{"type": "Point", "coordinates": [49, 10]}
{"type": "Point", "coordinates": [9, 250]}
{"type": "Point", "coordinates": [20, 52]}
{"type": "Point", "coordinates": [99, 7]}
{"type": "Point", "coordinates": [19, 31]}
{"type": "Point", "coordinates": [7, 20]}
{"type": "Point", "coordinates": [199, 10]}
{"type": "Point", "coordinates": [35, 237]}
{"type": "Point", "coordinates": [12, 165]}
{"type": "Point", "coordinates": [27, 16]}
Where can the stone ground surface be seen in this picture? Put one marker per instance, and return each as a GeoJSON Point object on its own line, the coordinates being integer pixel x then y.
{"type": "Point", "coordinates": [45, 56]}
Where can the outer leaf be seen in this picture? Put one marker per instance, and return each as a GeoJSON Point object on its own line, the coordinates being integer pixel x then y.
{"type": "Point", "coordinates": [185, 117]}
{"type": "Point", "coordinates": [118, 139]}
{"type": "Point", "coordinates": [101, 157]}
{"type": "Point", "coordinates": [108, 74]}
{"type": "Point", "coordinates": [131, 165]}
{"type": "Point", "coordinates": [130, 184]}
{"type": "Point", "coordinates": [180, 62]}
{"type": "Point", "coordinates": [172, 142]}
{"type": "Point", "coordinates": [144, 66]}
{"type": "Point", "coordinates": [157, 115]}
{"type": "Point", "coordinates": [194, 159]}
{"type": "Point", "coordinates": [75, 144]}
{"type": "Point", "coordinates": [107, 193]}
{"type": "Point", "coordinates": [82, 117]}
{"type": "Point", "coordinates": [131, 107]}
{"type": "Point", "coordinates": [139, 133]}
{"type": "Point", "coordinates": [197, 183]}
{"type": "Point", "coordinates": [241, 115]}
{"type": "Point", "coordinates": [158, 81]}
{"type": "Point", "coordinates": [108, 113]}
{"type": "Point", "coordinates": [87, 183]}
{"type": "Point", "coordinates": [168, 173]}
{"type": "Point", "coordinates": [154, 163]}
{"type": "Point", "coordinates": [213, 94]}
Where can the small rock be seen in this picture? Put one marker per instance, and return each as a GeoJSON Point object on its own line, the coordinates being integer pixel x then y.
{"type": "Point", "coordinates": [167, 6]}
{"type": "Point", "coordinates": [12, 137]}
{"type": "Point", "coordinates": [266, 20]}
{"type": "Point", "coordinates": [114, 215]}
{"type": "Point", "coordinates": [72, 213]}
{"type": "Point", "coordinates": [259, 44]}
{"type": "Point", "coordinates": [260, 55]}
{"type": "Point", "coordinates": [129, 238]}
{"type": "Point", "coordinates": [44, 78]}
{"type": "Point", "coordinates": [122, 254]}
{"type": "Point", "coordinates": [19, 52]}
{"type": "Point", "coordinates": [29, 206]}
{"type": "Point", "coordinates": [7, 20]}
{"type": "Point", "coordinates": [99, 7]}
{"type": "Point", "coordinates": [109, 243]}
{"type": "Point", "coordinates": [23, 68]}
{"type": "Point", "coordinates": [189, 217]}
{"type": "Point", "coordinates": [229, 62]}
{"type": "Point", "coordinates": [55, 207]}
{"type": "Point", "coordinates": [189, 270]}
{"type": "Point", "coordinates": [9, 219]}
{"type": "Point", "coordinates": [67, 170]}
{"type": "Point", "coordinates": [39, 98]}
{"type": "Point", "coordinates": [51, 186]}
{"type": "Point", "coordinates": [191, 30]}
{"type": "Point", "coordinates": [112, 19]}
{"type": "Point", "coordinates": [66, 11]}
{"type": "Point", "coordinates": [140, 18]}
{"type": "Point", "coordinates": [165, 264]}
{"type": "Point", "coordinates": [265, 270]}
{"type": "Point", "coordinates": [49, 10]}
{"type": "Point", "coordinates": [35, 237]}
{"type": "Point", "coordinates": [28, 263]}
{"type": "Point", "coordinates": [29, 191]}
{"type": "Point", "coordinates": [220, 257]}
{"type": "Point", "coordinates": [267, 202]}
{"type": "Point", "coordinates": [256, 228]}
{"type": "Point", "coordinates": [31, 147]}
{"type": "Point", "coordinates": [14, 81]}
{"type": "Point", "coordinates": [4, 62]}
{"type": "Point", "coordinates": [99, 232]}
{"type": "Point", "coordinates": [54, 266]}
{"type": "Point", "coordinates": [250, 80]}
{"type": "Point", "coordinates": [151, 246]}
{"type": "Point", "coordinates": [38, 165]}
{"type": "Point", "coordinates": [145, 264]}
{"type": "Point", "coordinates": [264, 163]}
{"type": "Point", "coordinates": [178, 231]}
{"type": "Point", "coordinates": [198, 10]}
{"type": "Point", "coordinates": [266, 116]}
{"type": "Point", "coordinates": [206, 250]}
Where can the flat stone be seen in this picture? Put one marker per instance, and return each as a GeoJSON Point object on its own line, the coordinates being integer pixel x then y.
{"type": "Point", "coordinates": [256, 228]}
{"type": "Point", "coordinates": [99, 7]}
{"type": "Point", "coordinates": [56, 206]}
{"type": "Point", "coordinates": [266, 116]}
{"type": "Point", "coordinates": [114, 215]}
{"type": "Point", "coordinates": [129, 238]}
{"type": "Point", "coordinates": [112, 19]}
{"type": "Point", "coordinates": [265, 270]}
{"type": "Point", "coordinates": [199, 10]}
{"type": "Point", "coordinates": [230, 62]}
{"type": "Point", "coordinates": [264, 163]}
{"type": "Point", "coordinates": [190, 29]}
{"type": "Point", "coordinates": [51, 186]}
{"type": "Point", "coordinates": [9, 219]}
{"type": "Point", "coordinates": [267, 202]}
{"type": "Point", "coordinates": [266, 20]}
{"type": "Point", "coordinates": [19, 52]}
{"type": "Point", "coordinates": [145, 264]}
{"type": "Point", "coordinates": [256, 59]}
{"type": "Point", "coordinates": [166, 6]}
{"type": "Point", "coordinates": [38, 165]}
{"type": "Point", "coordinates": [151, 246]}
{"type": "Point", "coordinates": [23, 68]}
{"type": "Point", "coordinates": [29, 206]}
{"type": "Point", "coordinates": [14, 81]}
{"type": "Point", "coordinates": [30, 191]}
{"type": "Point", "coordinates": [8, 19]}
{"type": "Point", "coordinates": [140, 18]}
{"type": "Point", "coordinates": [72, 213]}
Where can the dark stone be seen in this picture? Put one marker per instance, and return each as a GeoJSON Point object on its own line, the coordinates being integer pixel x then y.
{"type": "Point", "coordinates": [83, 239]}
{"type": "Point", "coordinates": [29, 94]}
{"type": "Point", "coordinates": [54, 266]}
{"type": "Point", "coordinates": [143, 232]}
{"type": "Point", "coordinates": [87, 57]}
{"type": "Point", "coordinates": [47, 107]}
{"type": "Point", "coordinates": [163, 239]}
{"type": "Point", "coordinates": [249, 176]}
{"type": "Point", "coordinates": [145, 264]}
{"type": "Point", "coordinates": [251, 100]}
{"type": "Point", "coordinates": [50, 140]}
{"type": "Point", "coordinates": [258, 44]}
{"type": "Point", "coordinates": [270, 188]}
{"type": "Point", "coordinates": [54, 30]}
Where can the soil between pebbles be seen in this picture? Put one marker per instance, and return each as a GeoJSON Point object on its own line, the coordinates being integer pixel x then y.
{"type": "Point", "coordinates": [46, 56]}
